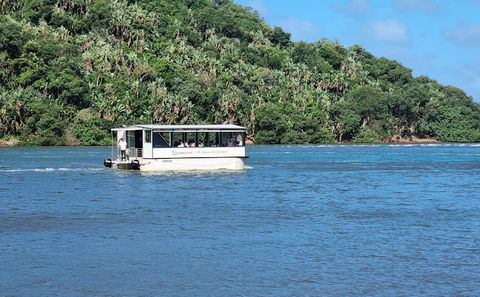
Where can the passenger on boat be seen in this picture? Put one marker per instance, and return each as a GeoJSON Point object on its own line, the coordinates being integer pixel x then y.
{"type": "Point", "coordinates": [123, 146]}
{"type": "Point", "coordinates": [232, 142]}
{"type": "Point", "coordinates": [239, 140]}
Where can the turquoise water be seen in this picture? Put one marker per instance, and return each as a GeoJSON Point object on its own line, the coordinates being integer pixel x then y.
{"type": "Point", "coordinates": [332, 220]}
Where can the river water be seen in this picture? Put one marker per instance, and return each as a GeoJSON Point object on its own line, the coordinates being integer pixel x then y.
{"type": "Point", "coordinates": [329, 220]}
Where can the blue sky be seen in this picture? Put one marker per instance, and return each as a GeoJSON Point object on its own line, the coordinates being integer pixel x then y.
{"type": "Point", "coordinates": [437, 38]}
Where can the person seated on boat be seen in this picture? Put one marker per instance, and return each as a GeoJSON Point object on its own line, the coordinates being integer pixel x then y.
{"type": "Point", "coordinates": [232, 142]}
{"type": "Point", "coordinates": [201, 144]}
{"type": "Point", "coordinates": [239, 140]}
{"type": "Point", "coordinates": [123, 146]}
{"type": "Point", "coordinates": [191, 143]}
{"type": "Point", "coordinates": [181, 144]}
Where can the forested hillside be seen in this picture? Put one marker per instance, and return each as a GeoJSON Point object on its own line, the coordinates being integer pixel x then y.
{"type": "Point", "coordinates": [72, 69]}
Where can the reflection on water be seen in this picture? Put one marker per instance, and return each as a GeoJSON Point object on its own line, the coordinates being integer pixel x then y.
{"type": "Point", "coordinates": [308, 220]}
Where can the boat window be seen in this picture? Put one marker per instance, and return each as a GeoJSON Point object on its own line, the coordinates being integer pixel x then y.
{"type": "Point", "coordinates": [212, 139]}
{"type": "Point", "coordinates": [185, 139]}
{"type": "Point", "coordinates": [179, 139]}
{"type": "Point", "coordinates": [198, 139]}
{"type": "Point", "coordinates": [192, 139]}
{"type": "Point", "coordinates": [203, 139]}
{"type": "Point", "coordinates": [130, 137]}
{"type": "Point", "coordinates": [148, 136]}
{"type": "Point", "coordinates": [161, 139]}
{"type": "Point", "coordinates": [232, 139]}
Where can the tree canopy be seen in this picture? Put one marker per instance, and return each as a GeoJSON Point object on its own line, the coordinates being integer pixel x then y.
{"type": "Point", "coordinates": [72, 69]}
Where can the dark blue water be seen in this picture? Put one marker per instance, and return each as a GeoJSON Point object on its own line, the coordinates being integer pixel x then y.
{"type": "Point", "coordinates": [362, 220]}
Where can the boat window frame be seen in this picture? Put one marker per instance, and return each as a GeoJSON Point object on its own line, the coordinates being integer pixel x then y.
{"type": "Point", "coordinates": [169, 142]}
{"type": "Point", "coordinates": [148, 136]}
{"type": "Point", "coordinates": [217, 132]}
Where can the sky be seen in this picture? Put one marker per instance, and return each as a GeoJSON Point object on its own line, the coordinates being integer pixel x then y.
{"type": "Point", "coordinates": [436, 38]}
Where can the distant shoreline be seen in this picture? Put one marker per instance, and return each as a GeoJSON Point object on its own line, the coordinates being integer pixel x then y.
{"type": "Point", "coordinates": [13, 142]}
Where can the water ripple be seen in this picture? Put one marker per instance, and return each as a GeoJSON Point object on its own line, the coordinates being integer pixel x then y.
{"type": "Point", "coordinates": [308, 220]}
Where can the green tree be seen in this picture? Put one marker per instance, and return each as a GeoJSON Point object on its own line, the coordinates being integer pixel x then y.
{"type": "Point", "coordinates": [204, 61]}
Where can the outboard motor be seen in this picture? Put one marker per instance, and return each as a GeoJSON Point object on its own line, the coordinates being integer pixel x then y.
{"type": "Point", "coordinates": [108, 163]}
{"type": "Point", "coordinates": [135, 165]}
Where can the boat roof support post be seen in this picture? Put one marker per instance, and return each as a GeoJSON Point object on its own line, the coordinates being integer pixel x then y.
{"type": "Point", "coordinates": [113, 142]}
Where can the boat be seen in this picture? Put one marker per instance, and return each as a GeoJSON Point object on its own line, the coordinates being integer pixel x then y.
{"type": "Point", "coordinates": [178, 147]}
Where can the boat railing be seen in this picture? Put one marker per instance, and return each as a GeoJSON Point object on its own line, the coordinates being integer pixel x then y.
{"type": "Point", "coordinates": [132, 153]}
{"type": "Point", "coordinates": [135, 152]}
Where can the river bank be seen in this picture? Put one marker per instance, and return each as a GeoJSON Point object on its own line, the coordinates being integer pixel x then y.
{"type": "Point", "coordinates": [12, 142]}
{"type": "Point", "coordinates": [15, 142]}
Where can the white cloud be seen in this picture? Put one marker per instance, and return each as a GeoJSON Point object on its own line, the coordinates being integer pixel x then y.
{"type": "Point", "coordinates": [301, 29]}
{"type": "Point", "coordinates": [464, 35]}
{"type": "Point", "coordinates": [388, 30]}
{"type": "Point", "coordinates": [415, 5]}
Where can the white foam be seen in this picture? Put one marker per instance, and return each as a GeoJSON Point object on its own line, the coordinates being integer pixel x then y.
{"type": "Point", "coordinates": [49, 169]}
{"type": "Point", "coordinates": [80, 169]}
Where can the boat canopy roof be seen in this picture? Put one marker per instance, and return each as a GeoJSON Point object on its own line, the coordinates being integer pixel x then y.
{"type": "Point", "coordinates": [182, 128]}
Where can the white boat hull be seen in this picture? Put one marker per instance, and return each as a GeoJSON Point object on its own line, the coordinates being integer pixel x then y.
{"type": "Point", "coordinates": [186, 164]}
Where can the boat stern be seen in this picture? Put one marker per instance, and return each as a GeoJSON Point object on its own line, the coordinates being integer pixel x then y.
{"type": "Point", "coordinates": [131, 165]}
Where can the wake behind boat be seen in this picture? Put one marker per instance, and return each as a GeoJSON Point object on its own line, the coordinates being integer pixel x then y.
{"type": "Point", "coordinates": [178, 147]}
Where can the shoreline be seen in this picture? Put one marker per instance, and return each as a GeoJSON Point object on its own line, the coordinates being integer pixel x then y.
{"type": "Point", "coordinates": [14, 142]}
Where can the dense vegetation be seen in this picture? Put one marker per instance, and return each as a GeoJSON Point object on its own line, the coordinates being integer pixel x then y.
{"type": "Point", "coordinates": [72, 69]}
